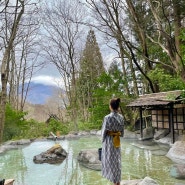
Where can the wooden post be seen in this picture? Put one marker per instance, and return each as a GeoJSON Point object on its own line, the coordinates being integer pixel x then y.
{"type": "Point", "coordinates": [172, 123]}
{"type": "Point", "coordinates": [141, 122]}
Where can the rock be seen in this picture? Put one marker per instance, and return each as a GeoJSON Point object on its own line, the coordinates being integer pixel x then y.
{"type": "Point", "coordinates": [145, 181]}
{"type": "Point", "coordinates": [71, 136]}
{"type": "Point", "coordinates": [167, 139]}
{"type": "Point", "coordinates": [83, 133]}
{"type": "Point", "coordinates": [20, 142]}
{"type": "Point", "coordinates": [161, 133]}
{"type": "Point", "coordinates": [55, 154]}
{"type": "Point", "coordinates": [148, 181]}
{"type": "Point", "coordinates": [90, 159]}
{"type": "Point", "coordinates": [13, 144]}
{"type": "Point", "coordinates": [4, 148]}
{"type": "Point", "coordinates": [130, 135]}
{"type": "Point", "coordinates": [178, 171]}
{"type": "Point", "coordinates": [9, 182]}
{"type": "Point", "coordinates": [148, 133]}
{"type": "Point", "coordinates": [176, 152]}
{"type": "Point", "coordinates": [93, 132]}
{"type": "Point", "coordinates": [98, 133]}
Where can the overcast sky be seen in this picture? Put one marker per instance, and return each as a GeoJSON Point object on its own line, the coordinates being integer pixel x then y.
{"type": "Point", "coordinates": [49, 74]}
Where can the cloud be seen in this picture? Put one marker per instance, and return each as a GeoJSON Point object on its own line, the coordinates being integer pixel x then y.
{"type": "Point", "coordinates": [48, 80]}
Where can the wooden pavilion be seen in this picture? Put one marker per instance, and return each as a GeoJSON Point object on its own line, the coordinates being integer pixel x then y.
{"type": "Point", "coordinates": [167, 110]}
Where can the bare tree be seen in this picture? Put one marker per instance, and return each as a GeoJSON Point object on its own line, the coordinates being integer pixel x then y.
{"type": "Point", "coordinates": [11, 21]}
{"type": "Point", "coordinates": [18, 28]}
{"type": "Point", "coordinates": [61, 47]}
{"type": "Point", "coordinates": [24, 56]}
{"type": "Point", "coordinates": [112, 21]}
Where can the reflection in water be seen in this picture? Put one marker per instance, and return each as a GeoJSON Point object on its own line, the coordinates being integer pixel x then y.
{"type": "Point", "coordinates": [11, 161]}
{"type": "Point", "coordinates": [136, 164]}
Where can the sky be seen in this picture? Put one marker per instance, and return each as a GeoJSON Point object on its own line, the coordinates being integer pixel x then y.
{"type": "Point", "coordinates": [49, 74]}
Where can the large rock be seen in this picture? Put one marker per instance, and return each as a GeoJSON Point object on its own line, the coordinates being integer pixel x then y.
{"type": "Point", "coordinates": [90, 159]}
{"type": "Point", "coordinates": [55, 154]}
{"type": "Point", "coordinates": [19, 142]}
{"type": "Point", "coordinates": [177, 152]}
{"type": "Point", "coordinates": [161, 133]}
{"type": "Point", "coordinates": [13, 144]}
{"type": "Point", "coordinates": [145, 181]}
{"type": "Point", "coordinates": [9, 182]}
{"type": "Point", "coordinates": [148, 181]}
{"type": "Point", "coordinates": [148, 133]}
{"type": "Point", "coordinates": [130, 135]}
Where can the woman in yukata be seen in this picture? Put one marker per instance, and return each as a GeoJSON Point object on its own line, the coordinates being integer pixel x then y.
{"type": "Point", "coordinates": [112, 129]}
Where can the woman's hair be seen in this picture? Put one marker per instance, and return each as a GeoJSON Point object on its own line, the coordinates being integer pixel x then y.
{"type": "Point", "coordinates": [114, 103]}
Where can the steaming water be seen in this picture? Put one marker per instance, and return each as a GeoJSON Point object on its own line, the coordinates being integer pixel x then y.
{"type": "Point", "coordinates": [136, 163]}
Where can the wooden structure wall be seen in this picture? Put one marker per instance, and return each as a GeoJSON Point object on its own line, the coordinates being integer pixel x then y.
{"type": "Point", "coordinates": [161, 118]}
{"type": "Point", "coordinates": [166, 113]}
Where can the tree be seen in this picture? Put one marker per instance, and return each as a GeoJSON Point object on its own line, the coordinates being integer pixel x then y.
{"type": "Point", "coordinates": [11, 15]}
{"type": "Point", "coordinates": [110, 85]}
{"type": "Point", "coordinates": [91, 67]}
{"type": "Point", "coordinates": [62, 40]}
{"type": "Point", "coordinates": [112, 21]}
{"type": "Point", "coordinates": [160, 27]}
{"type": "Point", "coordinates": [24, 56]}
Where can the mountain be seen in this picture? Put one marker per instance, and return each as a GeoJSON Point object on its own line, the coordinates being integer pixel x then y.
{"type": "Point", "coordinates": [39, 93]}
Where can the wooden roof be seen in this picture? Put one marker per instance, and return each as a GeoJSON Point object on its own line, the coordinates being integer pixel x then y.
{"type": "Point", "coordinates": [156, 99]}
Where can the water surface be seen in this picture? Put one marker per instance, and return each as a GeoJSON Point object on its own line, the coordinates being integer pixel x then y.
{"type": "Point", "coordinates": [136, 164]}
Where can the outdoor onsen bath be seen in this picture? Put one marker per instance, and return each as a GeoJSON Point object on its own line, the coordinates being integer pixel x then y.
{"type": "Point", "coordinates": [139, 159]}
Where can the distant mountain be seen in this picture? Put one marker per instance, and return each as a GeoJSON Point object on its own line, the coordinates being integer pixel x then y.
{"type": "Point", "coordinates": [39, 93]}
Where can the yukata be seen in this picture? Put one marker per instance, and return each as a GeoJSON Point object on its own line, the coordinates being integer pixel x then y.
{"type": "Point", "coordinates": [111, 155]}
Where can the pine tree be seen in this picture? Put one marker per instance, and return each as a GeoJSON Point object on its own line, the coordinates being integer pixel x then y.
{"type": "Point", "coordinates": [91, 64]}
{"type": "Point", "coordinates": [91, 67]}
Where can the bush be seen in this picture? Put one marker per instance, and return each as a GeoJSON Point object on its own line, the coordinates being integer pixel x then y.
{"type": "Point", "coordinates": [87, 126]}
{"type": "Point", "coordinates": [15, 123]}
{"type": "Point", "coordinates": [56, 125]}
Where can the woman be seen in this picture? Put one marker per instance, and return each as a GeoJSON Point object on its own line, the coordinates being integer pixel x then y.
{"type": "Point", "coordinates": [112, 129]}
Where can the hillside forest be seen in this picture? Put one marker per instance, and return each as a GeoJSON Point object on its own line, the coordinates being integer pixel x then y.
{"type": "Point", "coordinates": [102, 49]}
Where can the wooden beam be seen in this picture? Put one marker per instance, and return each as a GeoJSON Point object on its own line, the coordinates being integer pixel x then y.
{"type": "Point", "coordinates": [141, 122]}
{"type": "Point", "coordinates": [172, 123]}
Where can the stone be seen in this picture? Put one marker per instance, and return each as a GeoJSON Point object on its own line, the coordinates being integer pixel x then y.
{"type": "Point", "coordinates": [148, 181]}
{"type": "Point", "coordinates": [161, 133]}
{"type": "Point", "coordinates": [19, 142]}
{"type": "Point", "coordinates": [89, 159]}
{"type": "Point", "coordinates": [54, 155]}
{"type": "Point", "coordinates": [178, 171]}
{"type": "Point", "coordinates": [83, 133]}
{"type": "Point", "coordinates": [176, 152]}
{"type": "Point", "coordinates": [72, 136]}
{"type": "Point", "coordinates": [130, 135]}
{"type": "Point", "coordinates": [93, 132]}
{"type": "Point", "coordinates": [148, 133]}
{"type": "Point", "coordinates": [9, 182]}
{"type": "Point", "coordinates": [145, 181]}
{"type": "Point", "coordinates": [98, 133]}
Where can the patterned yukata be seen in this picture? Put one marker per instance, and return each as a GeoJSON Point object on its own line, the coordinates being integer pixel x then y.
{"type": "Point", "coordinates": [111, 156]}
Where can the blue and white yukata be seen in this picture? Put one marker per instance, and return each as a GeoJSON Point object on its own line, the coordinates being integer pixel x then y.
{"type": "Point", "coordinates": [111, 156]}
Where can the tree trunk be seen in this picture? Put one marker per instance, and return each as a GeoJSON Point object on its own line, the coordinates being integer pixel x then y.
{"type": "Point", "coordinates": [5, 68]}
